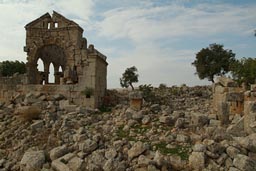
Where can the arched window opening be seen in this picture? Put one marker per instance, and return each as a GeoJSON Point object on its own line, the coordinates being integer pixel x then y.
{"type": "Point", "coordinates": [40, 65]}
{"type": "Point", "coordinates": [60, 69]}
{"type": "Point", "coordinates": [51, 74]}
{"type": "Point", "coordinates": [56, 25]}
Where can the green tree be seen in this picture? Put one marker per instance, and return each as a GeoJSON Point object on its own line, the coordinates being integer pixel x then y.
{"type": "Point", "coordinates": [8, 68]}
{"type": "Point", "coordinates": [244, 71]}
{"type": "Point", "coordinates": [212, 61]}
{"type": "Point", "coordinates": [129, 76]}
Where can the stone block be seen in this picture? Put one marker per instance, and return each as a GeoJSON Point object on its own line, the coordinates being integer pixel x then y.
{"type": "Point", "coordinates": [33, 160]}
{"type": "Point", "coordinates": [58, 152]}
{"type": "Point", "coordinates": [197, 160]}
{"type": "Point", "coordinates": [136, 100]}
{"type": "Point", "coordinates": [227, 82]}
{"type": "Point", "coordinates": [199, 119]}
{"type": "Point", "coordinates": [76, 164]}
{"type": "Point", "coordinates": [248, 142]}
{"type": "Point", "coordinates": [223, 113]}
{"type": "Point", "coordinates": [232, 151]}
{"type": "Point", "coordinates": [243, 162]}
{"type": "Point", "coordinates": [253, 87]}
{"type": "Point", "coordinates": [136, 104]}
{"type": "Point", "coordinates": [137, 149]}
{"type": "Point", "coordinates": [237, 129]}
{"type": "Point", "coordinates": [37, 125]}
{"type": "Point", "coordinates": [214, 123]}
{"type": "Point", "coordinates": [60, 164]}
{"type": "Point", "coordinates": [235, 96]}
{"type": "Point", "coordinates": [250, 117]}
{"type": "Point", "coordinates": [88, 146]}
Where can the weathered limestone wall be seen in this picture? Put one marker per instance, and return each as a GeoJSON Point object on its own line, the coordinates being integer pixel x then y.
{"type": "Point", "coordinates": [9, 86]}
{"type": "Point", "coordinates": [226, 91]}
{"type": "Point", "coordinates": [250, 111]}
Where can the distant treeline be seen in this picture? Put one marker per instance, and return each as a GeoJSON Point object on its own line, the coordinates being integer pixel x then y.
{"type": "Point", "coordinates": [8, 68]}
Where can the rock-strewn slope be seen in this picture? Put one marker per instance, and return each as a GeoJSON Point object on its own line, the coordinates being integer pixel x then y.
{"type": "Point", "coordinates": [43, 132]}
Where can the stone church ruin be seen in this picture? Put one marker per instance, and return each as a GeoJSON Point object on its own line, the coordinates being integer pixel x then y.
{"type": "Point", "coordinates": [58, 41]}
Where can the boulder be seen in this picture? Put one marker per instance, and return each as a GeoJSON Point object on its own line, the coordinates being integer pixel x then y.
{"type": "Point", "coordinates": [137, 149]}
{"type": "Point", "coordinates": [166, 120]}
{"type": "Point", "coordinates": [37, 125]}
{"type": "Point", "coordinates": [33, 160]}
{"type": "Point", "coordinates": [180, 123]}
{"type": "Point", "coordinates": [237, 129]}
{"type": "Point", "coordinates": [88, 146]}
{"type": "Point", "coordinates": [61, 164]}
{"type": "Point", "coordinates": [199, 148]}
{"type": "Point", "coordinates": [197, 160]}
{"type": "Point", "coordinates": [232, 151]}
{"type": "Point", "coordinates": [243, 162]}
{"type": "Point", "coordinates": [146, 120]}
{"type": "Point", "coordinates": [248, 142]}
{"type": "Point", "coordinates": [155, 108]}
{"type": "Point", "coordinates": [199, 119]}
{"type": "Point", "coordinates": [76, 164]}
{"type": "Point", "coordinates": [182, 138]}
{"type": "Point", "coordinates": [58, 152]}
{"type": "Point", "coordinates": [111, 153]}
{"type": "Point", "coordinates": [177, 163]}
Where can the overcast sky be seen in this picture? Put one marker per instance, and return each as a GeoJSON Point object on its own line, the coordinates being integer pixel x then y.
{"type": "Point", "coordinates": [159, 37]}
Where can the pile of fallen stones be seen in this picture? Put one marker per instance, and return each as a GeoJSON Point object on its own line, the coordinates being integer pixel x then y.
{"type": "Point", "coordinates": [47, 133]}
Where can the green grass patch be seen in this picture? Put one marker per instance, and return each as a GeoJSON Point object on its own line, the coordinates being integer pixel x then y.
{"type": "Point", "coordinates": [104, 109]}
{"type": "Point", "coordinates": [139, 129]}
{"type": "Point", "coordinates": [182, 151]}
{"type": "Point", "coordinates": [124, 134]}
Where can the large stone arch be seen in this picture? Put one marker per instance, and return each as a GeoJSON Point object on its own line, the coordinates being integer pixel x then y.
{"type": "Point", "coordinates": [49, 54]}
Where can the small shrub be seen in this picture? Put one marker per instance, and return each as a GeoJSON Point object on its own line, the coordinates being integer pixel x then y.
{"type": "Point", "coordinates": [175, 90]}
{"type": "Point", "coordinates": [88, 92]}
{"type": "Point", "coordinates": [104, 109]}
{"type": "Point", "coordinates": [147, 92]}
{"type": "Point", "coordinates": [162, 86]}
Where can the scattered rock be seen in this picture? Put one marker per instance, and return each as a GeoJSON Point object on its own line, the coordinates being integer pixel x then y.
{"type": "Point", "coordinates": [137, 149]}
{"type": "Point", "coordinates": [197, 160]}
{"type": "Point", "coordinates": [243, 162]}
{"type": "Point", "coordinates": [33, 160]}
{"type": "Point", "coordinates": [58, 152]}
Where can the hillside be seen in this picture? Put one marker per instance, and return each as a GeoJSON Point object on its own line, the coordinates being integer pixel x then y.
{"type": "Point", "coordinates": [174, 131]}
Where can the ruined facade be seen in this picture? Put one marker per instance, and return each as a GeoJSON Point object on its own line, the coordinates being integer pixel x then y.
{"type": "Point", "coordinates": [78, 68]}
{"type": "Point", "coordinates": [226, 92]}
{"type": "Point", "coordinates": [230, 99]}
